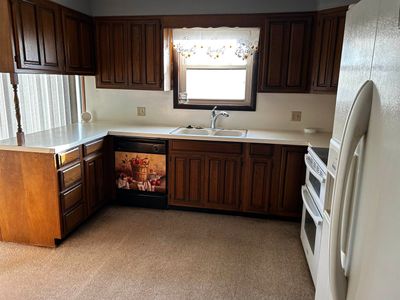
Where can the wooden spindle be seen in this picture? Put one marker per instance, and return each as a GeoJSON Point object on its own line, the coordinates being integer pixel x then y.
{"type": "Point", "coordinates": [20, 132]}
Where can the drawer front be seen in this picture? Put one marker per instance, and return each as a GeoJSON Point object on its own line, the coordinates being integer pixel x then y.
{"type": "Point", "coordinates": [70, 176]}
{"type": "Point", "coordinates": [93, 147]}
{"type": "Point", "coordinates": [68, 157]}
{"type": "Point", "coordinates": [214, 147]}
{"type": "Point", "coordinates": [261, 149]}
{"type": "Point", "coordinates": [73, 219]}
{"type": "Point", "coordinates": [71, 198]}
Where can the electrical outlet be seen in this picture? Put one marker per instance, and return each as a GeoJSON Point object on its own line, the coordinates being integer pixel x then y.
{"type": "Point", "coordinates": [141, 111]}
{"type": "Point", "coordinates": [296, 116]}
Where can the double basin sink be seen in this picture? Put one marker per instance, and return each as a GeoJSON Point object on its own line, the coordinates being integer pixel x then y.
{"type": "Point", "coordinates": [210, 132]}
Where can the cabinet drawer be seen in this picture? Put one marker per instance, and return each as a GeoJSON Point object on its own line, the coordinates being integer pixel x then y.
{"type": "Point", "coordinates": [73, 219]}
{"type": "Point", "coordinates": [68, 157]}
{"type": "Point", "coordinates": [261, 149]}
{"type": "Point", "coordinates": [214, 147]}
{"type": "Point", "coordinates": [71, 198]}
{"type": "Point", "coordinates": [70, 176]}
{"type": "Point", "coordinates": [93, 147]}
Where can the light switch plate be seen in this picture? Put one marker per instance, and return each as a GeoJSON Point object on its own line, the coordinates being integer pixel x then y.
{"type": "Point", "coordinates": [296, 116]}
{"type": "Point", "coordinates": [141, 111]}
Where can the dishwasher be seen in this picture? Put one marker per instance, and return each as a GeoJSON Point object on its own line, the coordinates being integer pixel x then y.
{"type": "Point", "coordinates": [141, 172]}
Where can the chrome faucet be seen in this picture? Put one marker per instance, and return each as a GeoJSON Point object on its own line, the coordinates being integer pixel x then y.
{"type": "Point", "coordinates": [215, 114]}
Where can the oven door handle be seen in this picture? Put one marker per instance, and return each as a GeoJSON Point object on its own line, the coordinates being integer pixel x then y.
{"type": "Point", "coordinates": [310, 205]}
{"type": "Point", "coordinates": [308, 162]}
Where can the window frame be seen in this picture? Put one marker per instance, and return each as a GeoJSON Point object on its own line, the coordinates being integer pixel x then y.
{"type": "Point", "coordinates": [201, 104]}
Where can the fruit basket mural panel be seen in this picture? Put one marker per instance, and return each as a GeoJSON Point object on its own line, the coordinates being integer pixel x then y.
{"type": "Point", "coordinates": [140, 171]}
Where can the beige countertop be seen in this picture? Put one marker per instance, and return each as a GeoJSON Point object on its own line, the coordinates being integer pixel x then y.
{"type": "Point", "coordinates": [63, 138]}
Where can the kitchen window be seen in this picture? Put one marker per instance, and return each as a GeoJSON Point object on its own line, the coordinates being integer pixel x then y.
{"type": "Point", "coordinates": [46, 101]}
{"type": "Point", "coordinates": [215, 66]}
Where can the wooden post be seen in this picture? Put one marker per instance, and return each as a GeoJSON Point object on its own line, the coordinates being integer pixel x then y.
{"type": "Point", "coordinates": [20, 132]}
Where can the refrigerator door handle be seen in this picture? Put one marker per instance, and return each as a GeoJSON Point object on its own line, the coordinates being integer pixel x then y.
{"type": "Point", "coordinates": [347, 216]}
{"type": "Point", "coordinates": [355, 128]}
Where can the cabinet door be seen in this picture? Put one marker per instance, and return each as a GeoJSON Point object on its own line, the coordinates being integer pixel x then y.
{"type": "Point", "coordinates": [328, 50]}
{"type": "Point", "coordinates": [186, 179]}
{"type": "Point", "coordinates": [112, 54]}
{"type": "Point", "coordinates": [94, 179]}
{"type": "Point", "coordinates": [145, 54]}
{"type": "Point", "coordinates": [291, 178]}
{"type": "Point", "coordinates": [285, 65]}
{"type": "Point", "coordinates": [223, 181]}
{"type": "Point", "coordinates": [38, 35]}
{"type": "Point", "coordinates": [258, 186]}
{"type": "Point", "coordinates": [136, 74]}
{"type": "Point", "coordinates": [78, 42]}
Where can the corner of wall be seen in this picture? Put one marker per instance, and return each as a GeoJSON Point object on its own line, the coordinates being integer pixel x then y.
{"type": "Point", "coordinates": [327, 4]}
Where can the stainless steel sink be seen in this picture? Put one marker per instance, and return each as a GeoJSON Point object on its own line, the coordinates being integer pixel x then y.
{"type": "Point", "coordinates": [210, 132]}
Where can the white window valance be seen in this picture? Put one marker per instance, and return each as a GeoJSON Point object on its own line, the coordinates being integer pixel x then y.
{"type": "Point", "coordinates": [216, 42]}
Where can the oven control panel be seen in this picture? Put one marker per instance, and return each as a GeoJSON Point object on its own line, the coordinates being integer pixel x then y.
{"type": "Point", "coordinates": [314, 166]}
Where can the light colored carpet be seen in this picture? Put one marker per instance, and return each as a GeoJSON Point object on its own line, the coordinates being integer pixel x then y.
{"type": "Point", "coordinates": [131, 253]}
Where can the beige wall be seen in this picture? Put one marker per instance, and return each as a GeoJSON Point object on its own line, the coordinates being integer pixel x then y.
{"type": "Point", "coordinates": [173, 7]}
{"type": "Point", "coordinates": [84, 6]}
{"type": "Point", "coordinates": [177, 7]}
{"type": "Point", "coordinates": [273, 110]}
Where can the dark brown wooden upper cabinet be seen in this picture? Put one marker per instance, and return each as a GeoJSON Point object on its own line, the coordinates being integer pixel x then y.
{"type": "Point", "coordinates": [286, 48]}
{"type": "Point", "coordinates": [38, 36]}
{"type": "Point", "coordinates": [112, 54]}
{"type": "Point", "coordinates": [145, 54]}
{"type": "Point", "coordinates": [78, 42]}
{"type": "Point", "coordinates": [328, 50]}
{"type": "Point", "coordinates": [129, 53]}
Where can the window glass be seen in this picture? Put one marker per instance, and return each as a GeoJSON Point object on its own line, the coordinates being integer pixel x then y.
{"type": "Point", "coordinates": [215, 66]}
{"type": "Point", "coordinates": [46, 101]}
{"type": "Point", "coordinates": [217, 84]}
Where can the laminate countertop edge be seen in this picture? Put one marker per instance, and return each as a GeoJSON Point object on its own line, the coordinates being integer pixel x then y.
{"type": "Point", "coordinates": [63, 138]}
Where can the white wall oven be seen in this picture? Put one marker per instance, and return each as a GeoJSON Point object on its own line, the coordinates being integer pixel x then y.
{"type": "Point", "coordinates": [313, 194]}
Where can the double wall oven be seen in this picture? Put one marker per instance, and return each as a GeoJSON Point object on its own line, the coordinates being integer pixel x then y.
{"type": "Point", "coordinates": [313, 194]}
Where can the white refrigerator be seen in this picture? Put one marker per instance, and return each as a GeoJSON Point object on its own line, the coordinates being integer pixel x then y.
{"type": "Point", "coordinates": [360, 252]}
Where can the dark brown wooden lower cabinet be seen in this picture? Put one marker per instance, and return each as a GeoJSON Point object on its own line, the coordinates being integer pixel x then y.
{"type": "Point", "coordinates": [223, 181]}
{"type": "Point", "coordinates": [258, 188]}
{"type": "Point", "coordinates": [186, 177]}
{"type": "Point", "coordinates": [291, 178]}
{"type": "Point", "coordinates": [73, 218]}
{"type": "Point", "coordinates": [264, 179]}
{"type": "Point", "coordinates": [94, 179]}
